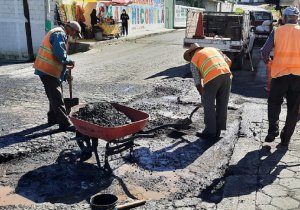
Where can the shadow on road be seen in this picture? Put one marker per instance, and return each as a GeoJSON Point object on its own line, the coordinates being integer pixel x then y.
{"type": "Point", "coordinates": [249, 84]}
{"type": "Point", "coordinates": [27, 135]}
{"type": "Point", "coordinates": [66, 181]}
{"type": "Point", "coordinates": [179, 71]}
{"type": "Point", "coordinates": [241, 179]}
{"type": "Point", "coordinates": [171, 158]}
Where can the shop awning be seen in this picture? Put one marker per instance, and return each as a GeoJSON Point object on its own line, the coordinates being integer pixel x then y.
{"type": "Point", "coordinates": [107, 1]}
{"type": "Point", "coordinates": [125, 2]}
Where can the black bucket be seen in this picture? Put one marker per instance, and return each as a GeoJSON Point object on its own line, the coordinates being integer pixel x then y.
{"type": "Point", "coordinates": [104, 202]}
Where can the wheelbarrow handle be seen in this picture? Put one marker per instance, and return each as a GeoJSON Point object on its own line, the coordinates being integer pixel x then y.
{"type": "Point", "coordinates": [131, 205]}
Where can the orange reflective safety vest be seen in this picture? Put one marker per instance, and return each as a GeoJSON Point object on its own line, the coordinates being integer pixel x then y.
{"type": "Point", "coordinates": [45, 60]}
{"type": "Point", "coordinates": [210, 63]}
{"type": "Point", "coordinates": [286, 51]}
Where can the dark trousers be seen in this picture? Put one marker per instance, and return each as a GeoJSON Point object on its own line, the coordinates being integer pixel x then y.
{"type": "Point", "coordinates": [57, 111]}
{"type": "Point", "coordinates": [288, 86]}
{"type": "Point", "coordinates": [125, 28]}
{"type": "Point", "coordinates": [215, 101]}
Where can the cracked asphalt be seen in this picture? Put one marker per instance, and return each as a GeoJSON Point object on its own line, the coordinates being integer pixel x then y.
{"type": "Point", "coordinates": [171, 169]}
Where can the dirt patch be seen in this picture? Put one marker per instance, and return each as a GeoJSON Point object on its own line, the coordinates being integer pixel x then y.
{"type": "Point", "coordinates": [9, 197]}
{"type": "Point", "coordinates": [102, 114]}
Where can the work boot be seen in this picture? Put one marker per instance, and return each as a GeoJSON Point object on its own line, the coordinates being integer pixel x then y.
{"type": "Point", "coordinates": [218, 133]}
{"type": "Point", "coordinates": [271, 136]}
{"type": "Point", "coordinates": [210, 136]}
{"type": "Point", "coordinates": [284, 141]}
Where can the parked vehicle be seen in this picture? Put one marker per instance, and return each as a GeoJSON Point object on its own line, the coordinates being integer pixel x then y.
{"type": "Point", "coordinates": [261, 23]}
{"type": "Point", "coordinates": [226, 31]}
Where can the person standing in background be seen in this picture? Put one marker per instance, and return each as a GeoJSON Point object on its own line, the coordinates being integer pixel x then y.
{"type": "Point", "coordinates": [94, 20]}
{"type": "Point", "coordinates": [124, 18]}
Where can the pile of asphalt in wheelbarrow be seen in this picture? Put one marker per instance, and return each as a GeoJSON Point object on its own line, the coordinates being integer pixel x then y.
{"type": "Point", "coordinates": [102, 114]}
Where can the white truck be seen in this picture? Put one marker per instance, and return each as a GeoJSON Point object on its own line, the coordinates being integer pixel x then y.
{"type": "Point", "coordinates": [226, 31]}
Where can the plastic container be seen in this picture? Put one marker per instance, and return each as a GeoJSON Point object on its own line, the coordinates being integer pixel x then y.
{"type": "Point", "coordinates": [98, 34]}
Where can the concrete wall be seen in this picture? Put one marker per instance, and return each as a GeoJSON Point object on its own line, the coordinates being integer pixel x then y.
{"type": "Point", "coordinates": [210, 6]}
{"type": "Point", "coordinates": [12, 26]}
{"type": "Point", "coordinates": [13, 42]}
{"type": "Point", "coordinates": [226, 7]}
{"type": "Point", "coordinates": [169, 14]}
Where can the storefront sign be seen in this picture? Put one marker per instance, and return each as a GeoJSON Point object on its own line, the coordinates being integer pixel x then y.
{"type": "Point", "coordinates": [180, 15]}
{"type": "Point", "coordinates": [143, 14]}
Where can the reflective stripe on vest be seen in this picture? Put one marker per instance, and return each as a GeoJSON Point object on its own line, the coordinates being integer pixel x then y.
{"type": "Point", "coordinates": [286, 51]}
{"type": "Point", "coordinates": [210, 63]}
{"type": "Point", "coordinates": [45, 60]}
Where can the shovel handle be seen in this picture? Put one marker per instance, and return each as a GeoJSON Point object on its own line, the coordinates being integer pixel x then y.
{"type": "Point", "coordinates": [70, 83]}
{"type": "Point", "coordinates": [192, 113]}
{"type": "Point", "coordinates": [131, 205]}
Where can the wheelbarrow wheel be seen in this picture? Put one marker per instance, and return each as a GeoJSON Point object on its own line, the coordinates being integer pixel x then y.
{"type": "Point", "coordinates": [86, 145]}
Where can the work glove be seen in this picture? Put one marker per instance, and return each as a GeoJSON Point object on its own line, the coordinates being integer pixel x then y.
{"type": "Point", "coordinates": [70, 65]}
{"type": "Point", "coordinates": [67, 77]}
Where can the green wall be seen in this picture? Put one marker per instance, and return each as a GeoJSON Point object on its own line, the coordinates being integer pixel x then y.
{"type": "Point", "coordinates": [169, 13]}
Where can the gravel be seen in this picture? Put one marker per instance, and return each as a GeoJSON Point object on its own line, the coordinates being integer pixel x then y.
{"type": "Point", "coordinates": [102, 114]}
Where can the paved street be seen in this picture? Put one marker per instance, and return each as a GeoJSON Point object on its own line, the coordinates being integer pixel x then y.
{"type": "Point", "coordinates": [172, 169]}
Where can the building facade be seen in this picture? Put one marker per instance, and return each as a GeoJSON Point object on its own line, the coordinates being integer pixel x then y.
{"type": "Point", "coordinates": [22, 27]}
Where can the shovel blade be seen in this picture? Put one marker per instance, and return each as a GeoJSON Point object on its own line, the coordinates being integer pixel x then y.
{"type": "Point", "coordinates": [69, 103]}
{"type": "Point", "coordinates": [183, 124]}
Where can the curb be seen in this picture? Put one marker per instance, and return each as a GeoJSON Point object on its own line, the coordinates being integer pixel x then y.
{"type": "Point", "coordinates": [76, 47]}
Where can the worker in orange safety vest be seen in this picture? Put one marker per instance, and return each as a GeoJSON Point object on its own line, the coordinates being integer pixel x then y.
{"type": "Point", "coordinates": [285, 73]}
{"type": "Point", "coordinates": [212, 76]}
{"type": "Point", "coordinates": [50, 65]}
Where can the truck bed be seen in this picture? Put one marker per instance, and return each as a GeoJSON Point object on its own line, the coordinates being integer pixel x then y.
{"type": "Point", "coordinates": [226, 31]}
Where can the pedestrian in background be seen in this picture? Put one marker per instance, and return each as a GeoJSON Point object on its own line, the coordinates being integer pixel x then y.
{"type": "Point", "coordinates": [94, 20]}
{"type": "Point", "coordinates": [124, 18]}
{"type": "Point", "coordinates": [50, 65]}
{"type": "Point", "coordinates": [285, 73]}
{"type": "Point", "coordinates": [211, 71]}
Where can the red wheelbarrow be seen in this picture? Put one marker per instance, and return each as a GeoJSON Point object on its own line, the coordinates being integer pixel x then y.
{"type": "Point", "coordinates": [119, 138]}
{"type": "Point", "coordinates": [89, 133]}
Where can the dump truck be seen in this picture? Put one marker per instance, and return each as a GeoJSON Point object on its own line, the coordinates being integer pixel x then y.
{"type": "Point", "coordinates": [226, 31]}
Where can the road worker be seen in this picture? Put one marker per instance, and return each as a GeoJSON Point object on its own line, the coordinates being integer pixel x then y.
{"type": "Point", "coordinates": [50, 65]}
{"type": "Point", "coordinates": [285, 73]}
{"type": "Point", "coordinates": [212, 76]}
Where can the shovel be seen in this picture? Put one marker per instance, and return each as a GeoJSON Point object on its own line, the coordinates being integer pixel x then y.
{"type": "Point", "coordinates": [186, 122]}
{"type": "Point", "coordinates": [70, 102]}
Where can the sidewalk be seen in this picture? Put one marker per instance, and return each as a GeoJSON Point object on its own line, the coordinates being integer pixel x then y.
{"type": "Point", "coordinates": [262, 175]}
{"type": "Point", "coordinates": [87, 44]}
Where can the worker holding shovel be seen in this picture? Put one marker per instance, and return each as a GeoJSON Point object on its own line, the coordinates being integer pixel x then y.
{"type": "Point", "coordinates": [50, 65]}
{"type": "Point", "coordinates": [212, 76]}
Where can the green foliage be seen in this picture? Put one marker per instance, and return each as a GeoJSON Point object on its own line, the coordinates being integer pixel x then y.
{"type": "Point", "coordinates": [239, 11]}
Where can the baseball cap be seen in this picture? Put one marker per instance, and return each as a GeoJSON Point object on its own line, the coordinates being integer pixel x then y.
{"type": "Point", "coordinates": [75, 25]}
{"type": "Point", "coordinates": [291, 11]}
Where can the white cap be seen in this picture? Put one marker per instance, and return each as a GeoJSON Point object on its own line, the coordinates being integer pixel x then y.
{"type": "Point", "coordinates": [75, 25]}
{"type": "Point", "coordinates": [291, 11]}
